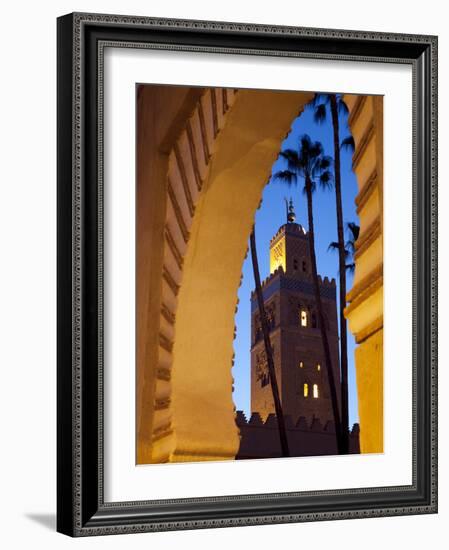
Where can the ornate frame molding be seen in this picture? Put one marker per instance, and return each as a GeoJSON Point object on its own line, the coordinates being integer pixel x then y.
{"type": "Point", "coordinates": [81, 507]}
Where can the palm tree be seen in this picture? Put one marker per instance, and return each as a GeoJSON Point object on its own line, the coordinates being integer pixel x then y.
{"type": "Point", "coordinates": [268, 349]}
{"type": "Point", "coordinates": [353, 229]}
{"type": "Point", "coordinates": [320, 103]}
{"type": "Point", "coordinates": [354, 232]}
{"type": "Point", "coordinates": [310, 164]}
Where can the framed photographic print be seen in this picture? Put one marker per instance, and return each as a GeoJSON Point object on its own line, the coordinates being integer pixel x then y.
{"type": "Point", "coordinates": [247, 278]}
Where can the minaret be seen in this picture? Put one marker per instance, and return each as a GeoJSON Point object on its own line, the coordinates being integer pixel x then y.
{"type": "Point", "coordinates": [294, 331]}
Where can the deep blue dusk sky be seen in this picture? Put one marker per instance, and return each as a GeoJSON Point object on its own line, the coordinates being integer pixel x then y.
{"type": "Point", "coordinates": [269, 218]}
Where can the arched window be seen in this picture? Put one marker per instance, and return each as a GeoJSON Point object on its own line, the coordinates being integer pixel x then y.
{"type": "Point", "coordinates": [295, 264]}
{"type": "Point", "coordinates": [303, 317]}
{"type": "Point", "coordinates": [315, 391]}
{"type": "Point", "coordinates": [304, 266]}
{"type": "Point", "coordinates": [314, 323]}
{"type": "Point", "coordinates": [301, 365]}
{"type": "Point", "coordinates": [262, 374]}
{"type": "Point", "coordinates": [318, 367]}
{"type": "Point", "coordinates": [306, 390]}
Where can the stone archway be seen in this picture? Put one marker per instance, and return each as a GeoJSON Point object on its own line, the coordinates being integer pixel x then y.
{"type": "Point", "coordinates": [215, 142]}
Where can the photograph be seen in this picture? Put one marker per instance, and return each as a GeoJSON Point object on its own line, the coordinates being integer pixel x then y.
{"type": "Point", "coordinates": [221, 275]}
{"type": "Point", "coordinates": [259, 274]}
{"type": "Point", "coordinates": [247, 255]}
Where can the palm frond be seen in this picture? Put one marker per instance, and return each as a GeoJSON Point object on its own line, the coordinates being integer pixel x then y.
{"type": "Point", "coordinates": [306, 155]}
{"type": "Point", "coordinates": [305, 142]}
{"type": "Point", "coordinates": [350, 246]}
{"type": "Point", "coordinates": [285, 176]}
{"type": "Point", "coordinates": [319, 114]}
{"type": "Point", "coordinates": [320, 98]}
{"type": "Point", "coordinates": [335, 246]}
{"type": "Point", "coordinates": [353, 229]}
{"type": "Point", "coordinates": [316, 150]}
{"type": "Point", "coordinates": [327, 161]}
{"type": "Point", "coordinates": [292, 158]}
{"type": "Point", "coordinates": [348, 143]}
{"type": "Point", "coordinates": [326, 179]}
{"type": "Point", "coordinates": [311, 105]}
{"type": "Point", "coordinates": [322, 164]}
{"type": "Point", "coordinates": [350, 268]}
{"type": "Point", "coordinates": [342, 107]}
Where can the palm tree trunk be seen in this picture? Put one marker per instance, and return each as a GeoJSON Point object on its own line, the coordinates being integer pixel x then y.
{"type": "Point", "coordinates": [268, 349]}
{"type": "Point", "coordinates": [319, 305]}
{"type": "Point", "coordinates": [342, 271]}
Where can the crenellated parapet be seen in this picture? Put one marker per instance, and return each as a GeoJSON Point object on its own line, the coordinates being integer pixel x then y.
{"type": "Point", "coordinates": [270, 278]}
{"type": "Point", "coordinates": [295, 229]}
{"type": "Point", "coordinates": [278, 280]}
{"type": "Point", "coordinates": [301, 424]}
{"type": "Point", "coordinates": [326, 281]}
{"type": "Point", "coordinates": [323, 282]}
{"type": "Point", "coordinates": [260, 439]}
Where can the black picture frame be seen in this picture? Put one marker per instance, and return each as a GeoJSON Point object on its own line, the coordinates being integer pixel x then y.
{"type": "Point", "coordinates": [81, 509]}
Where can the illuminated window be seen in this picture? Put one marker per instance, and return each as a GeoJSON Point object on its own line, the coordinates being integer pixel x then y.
{"type": "Point", "coordinates": [306, 390]}
{"type": "Point", "coordinates": [318, 367]}
{"type": "Point", "coordinates": [301, 364]}
{"type": "Point", "coordinates": [315, 391]}
{"type": "Point", "coordinates": [303, 318]}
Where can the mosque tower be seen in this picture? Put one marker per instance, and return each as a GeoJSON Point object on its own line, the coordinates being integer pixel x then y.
{"type": "Point", "coordinates": [295, 334]}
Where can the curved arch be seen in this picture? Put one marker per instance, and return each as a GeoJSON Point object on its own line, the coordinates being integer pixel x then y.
{"type": "Point", "coordinates": [216, 169]}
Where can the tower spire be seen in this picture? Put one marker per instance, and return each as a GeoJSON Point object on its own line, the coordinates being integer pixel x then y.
{"type": "Point", "coordinates": [291, 216]}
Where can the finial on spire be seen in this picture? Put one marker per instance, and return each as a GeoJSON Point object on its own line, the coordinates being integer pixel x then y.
{"type": "Point", "coordinates": [291, 216]}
